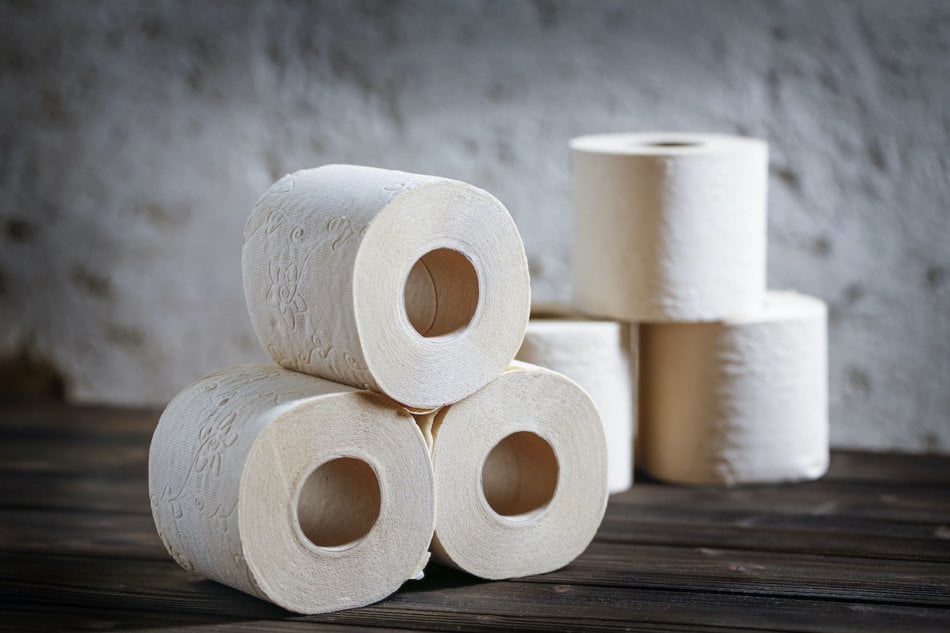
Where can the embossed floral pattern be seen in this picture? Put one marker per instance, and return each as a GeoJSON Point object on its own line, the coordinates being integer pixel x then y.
{"type": "Point", "coordinates": [356, 369]}
{"type": "Point", "coordinates": [305, 236]}
{"type": "Point", "coordinates": [276, 217]}
{"type": "Point", "coordinates": [282, 293]}
{"type": "Point", "coordinates": [195, 496]}
{"type": "Point", "coordinates": [339, 231]}
{"type": "Point", "coordinates": [274, 220]}
{"type": "Point", "coordinates": [214, 438]}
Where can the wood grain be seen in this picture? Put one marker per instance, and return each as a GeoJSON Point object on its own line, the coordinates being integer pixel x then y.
{"type": "Point", "coordinates": [865, 549]}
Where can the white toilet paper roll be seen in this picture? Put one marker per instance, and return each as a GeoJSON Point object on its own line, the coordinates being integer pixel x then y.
{"type": "Point", "coordinates": [601, 357]}
{"type": "Point", "coordinates": [410, 285]}
{"type": "Point", "coordinates": [669, 226]}
{"type": "Point", "coordinates": [300, 491]}
{"type": "Point", "coordinates": [740, 401]}
{"type": "Point", "coordinates": [521, 475]}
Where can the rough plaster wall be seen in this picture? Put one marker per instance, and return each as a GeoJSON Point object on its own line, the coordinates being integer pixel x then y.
{"type": "Point", "coordinates": [136, 137]}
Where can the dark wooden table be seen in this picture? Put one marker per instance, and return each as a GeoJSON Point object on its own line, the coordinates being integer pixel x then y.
{"type": "Point", "coordinates": [867, 548]}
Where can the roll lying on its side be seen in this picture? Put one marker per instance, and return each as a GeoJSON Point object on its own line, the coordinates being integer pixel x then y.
{"type": "Point", "coordinates": [300, 491]}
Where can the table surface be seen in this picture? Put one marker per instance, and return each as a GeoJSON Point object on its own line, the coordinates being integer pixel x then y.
{"type": "Point", "coordinates": [866, 548]}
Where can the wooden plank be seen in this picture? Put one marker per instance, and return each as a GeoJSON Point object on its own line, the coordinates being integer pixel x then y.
{"type": "Point", "coordinates": [784, 533]}
{"type": "Point", "coordinates": [570, 607]}
{"type": "Point", "coordinates": [67, 457]}
{"type": "Point", "coordinates": [704, 569]}
{"type": "Point", "coordinates": [100, 583]}
{"type": "Point", "coordinates": [449, 600]}
{"type": "Point", "coordinates": [879, 501]}
{"type": "Point", "coordinates": [96, 491]}
{"type": "Point", "coordinates": [63, 420]}
{"type": "Point", "coordinates": [857, 466]}
{"type": "Point", "coordinates": [100, 534]}
{"type": "Point", "coordinates": [56, 618]}
{"type": "Point", "coordinates": [106, 535]}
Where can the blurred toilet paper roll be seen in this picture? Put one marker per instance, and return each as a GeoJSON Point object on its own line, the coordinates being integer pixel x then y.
{"type": "Point", "coordinates": [521, 475]}
{"type": "Point", "coordinates": [740, 401]}
{"type": "Point", "coordinates": [410, 285]}
{"type": "Point", "coordinates": [601, 357]}
{"type": "Point", "coordinates": [669, 226]}
{"type": "Point", "coordinates": [306, 493]}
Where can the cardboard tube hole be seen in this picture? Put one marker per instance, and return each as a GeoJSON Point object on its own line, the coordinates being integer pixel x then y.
{"type": "Point", "coordinates": [520, 474]}
{"type": "Point", "coordinates": [339, 503]}
{"type": "Point", "coordinates": [441, 293]}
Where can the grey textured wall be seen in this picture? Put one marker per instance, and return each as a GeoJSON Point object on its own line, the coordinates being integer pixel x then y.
{"type": "Point", "coordinates": [136, 137]}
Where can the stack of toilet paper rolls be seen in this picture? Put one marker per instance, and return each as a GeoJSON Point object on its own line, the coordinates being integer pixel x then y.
{"type": "Point", "coordinates": [393, 420]}
{"type": "Point", "coordinates": [670, 236]}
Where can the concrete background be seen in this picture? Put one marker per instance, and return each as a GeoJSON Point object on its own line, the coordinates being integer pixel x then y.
{"type": "Point", "coordinates": [136, 137]}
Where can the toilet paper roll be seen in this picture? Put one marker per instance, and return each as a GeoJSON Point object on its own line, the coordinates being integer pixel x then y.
{"type": "Point", "coordinates": [300, 491]}
{"type": "Point", "coordinates": [521, 475]}
{"type": "Point", "coordinates": [601, 357]}
{"type": "Point", "coordinates": [410, 285]}
{"type": "Point", "coordinates": [740, 401]}
{"type": "Point", "coordinates": [669, 226]}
